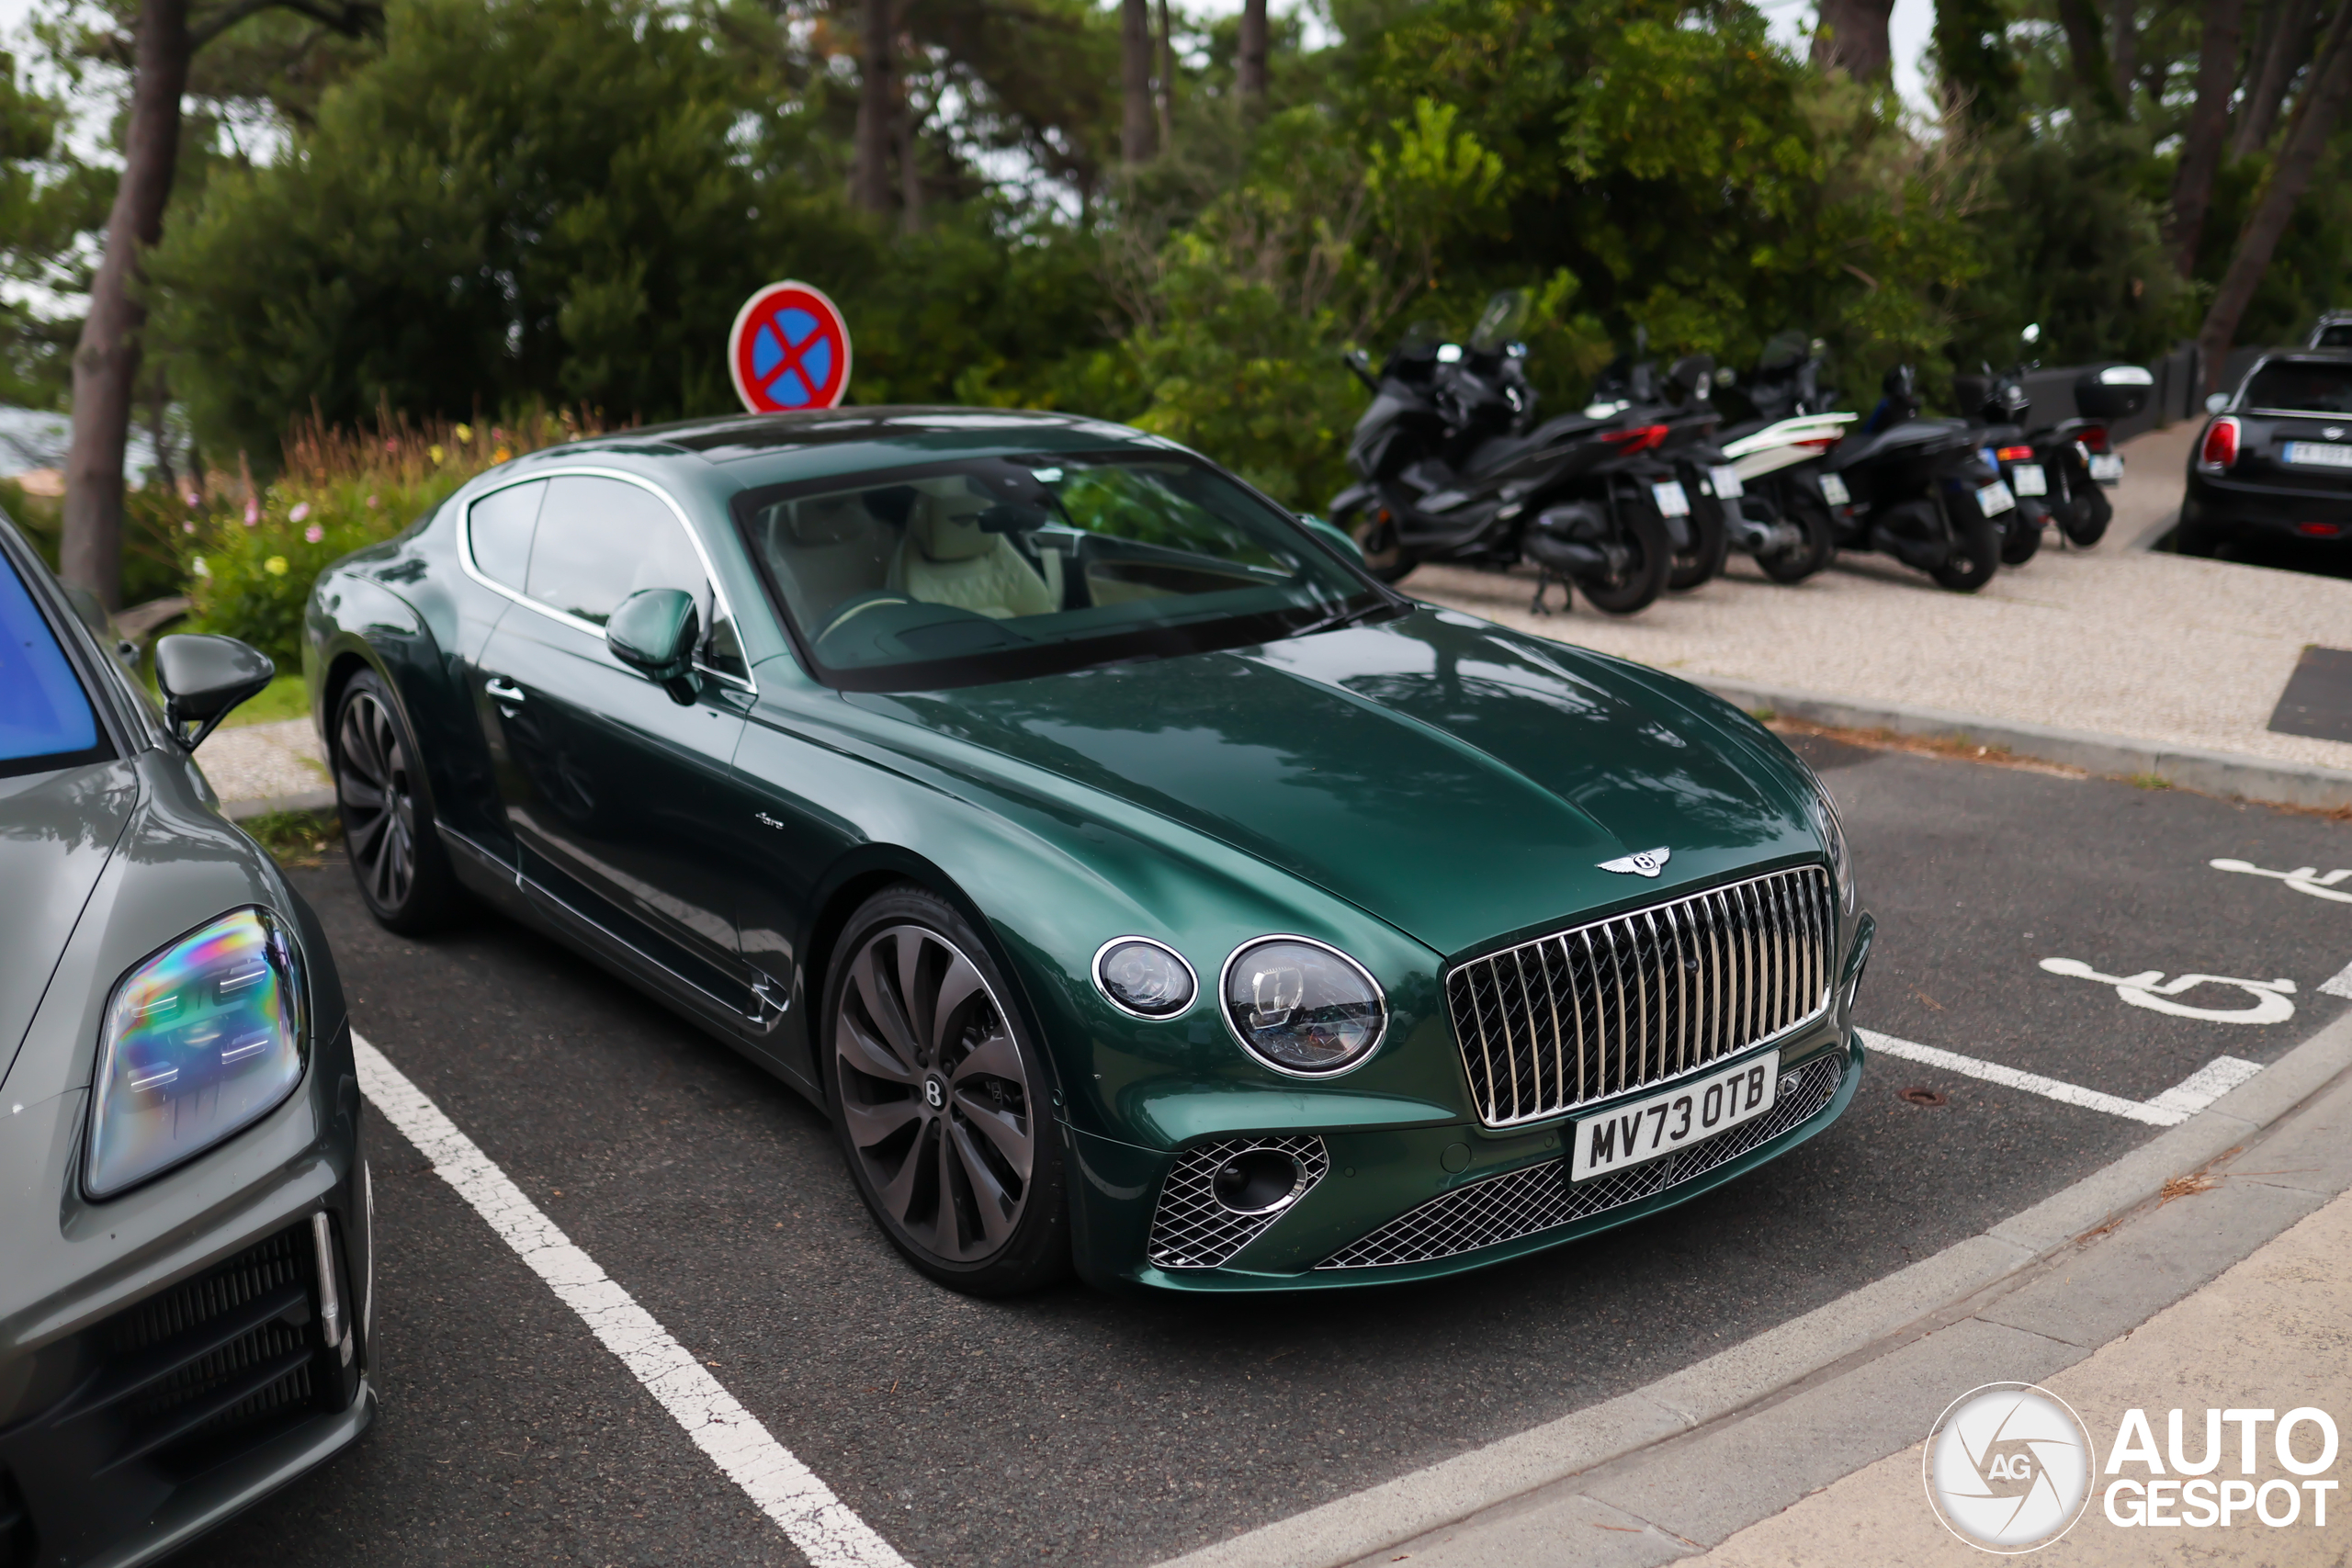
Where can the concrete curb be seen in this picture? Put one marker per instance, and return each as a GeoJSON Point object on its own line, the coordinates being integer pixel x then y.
{"type": "Point", "coordinates": [2210, 772]}
{"type": "Point", "coordinates": [1773, 1372]}
{"type": "Point", "coordinates": [308, 800]}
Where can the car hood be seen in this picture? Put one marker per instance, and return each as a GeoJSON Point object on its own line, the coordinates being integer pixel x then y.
{"type": "Point", "coordinates": [1459, 780]}
{"type": "Point", "coordinates": [57, 832]}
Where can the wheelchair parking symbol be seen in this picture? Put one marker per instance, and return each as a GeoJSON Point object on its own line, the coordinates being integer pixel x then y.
{"type": "Point", "coordinates": [2149, 989]}
{"type": "Point", "coordinates": [2302, 879]}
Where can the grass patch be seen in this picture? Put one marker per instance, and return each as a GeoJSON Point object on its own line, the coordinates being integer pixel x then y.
{"type": "Point", "coordinates": [1764, 715]}
{"type": "Point", "coordinates": [297, 839]}
{"type": "Point", "coordinates": [288, 696]}
{"type": "Point", "coordinates": [2150, 780]}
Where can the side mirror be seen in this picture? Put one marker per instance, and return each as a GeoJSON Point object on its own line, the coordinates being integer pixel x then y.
{"type": "Point", "coordinates": [654, 631]}
{"type": "Point", "coordinates": [1332, 533]}
{"type": "Point", "coordinates": [2217, 402]}
{"type": "Point", "coordinates": [202, 677]}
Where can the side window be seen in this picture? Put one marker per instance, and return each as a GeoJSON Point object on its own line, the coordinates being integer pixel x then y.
{"type": "Point", "coordinates": [499, 527]}
{"type": "Point", "coordinates": [601, 541]}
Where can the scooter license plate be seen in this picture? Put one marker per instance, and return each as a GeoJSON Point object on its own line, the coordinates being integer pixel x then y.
{"type": "Point", "coordinates": [1994, 499]}
{"type": "Point", "coordinates": [2107, 468]}
{"type": "Point", "coordinates": [1671, 501]}
{"type": "Point", "coordinates": [1726, 482]}
{"type": "Point", "coordinates": [2026, 479]}
{"type": "Point", "coordinates": [1834, 491]}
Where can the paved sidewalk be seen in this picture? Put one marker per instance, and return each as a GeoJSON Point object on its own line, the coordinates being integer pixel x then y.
{"type": "Point", "coordinates": [2116, 641]}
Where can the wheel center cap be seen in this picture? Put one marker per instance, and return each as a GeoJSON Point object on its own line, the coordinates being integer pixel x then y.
{"type": "Point", "coordinates": [934, 1091]}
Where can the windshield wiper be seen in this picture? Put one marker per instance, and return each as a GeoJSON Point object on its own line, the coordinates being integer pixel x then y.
{"type": "Point", "coordinates": [1340, 618]}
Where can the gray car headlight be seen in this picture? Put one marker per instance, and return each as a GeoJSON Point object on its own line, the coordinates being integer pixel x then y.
{"type": "Point", "coordinates": [1303, 1008]}
{"type": "Point", "coordinates": [201, 1040]}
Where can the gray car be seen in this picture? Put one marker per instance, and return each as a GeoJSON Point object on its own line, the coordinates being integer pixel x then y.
{"type": "Point", "coordinates": [185, 1236]}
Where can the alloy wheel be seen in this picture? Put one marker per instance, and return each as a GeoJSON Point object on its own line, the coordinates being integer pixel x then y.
{"type": "Point", "coordinates": [377, 799]}
{"type": "Point", "coordinates": [935, 1098]}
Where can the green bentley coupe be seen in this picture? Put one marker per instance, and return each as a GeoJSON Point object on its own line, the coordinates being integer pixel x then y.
{"type": "Point", "coordinates": [1136, 882]}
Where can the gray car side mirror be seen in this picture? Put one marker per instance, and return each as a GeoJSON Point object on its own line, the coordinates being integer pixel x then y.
{"type": "Point", "coordinates": [202, 677]}
{"type": "Point", "coordinates": [654, 631]}
{"type": "Point", "coordinates": [2217, 402]}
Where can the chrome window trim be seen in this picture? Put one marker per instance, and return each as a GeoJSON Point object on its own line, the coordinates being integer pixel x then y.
{"type": "Point", "coordinates": [582, 471]}
{"type": "Point", "coordinates": [1094, 973]}
{"type": "Point", "coordinates": [1380, 996]}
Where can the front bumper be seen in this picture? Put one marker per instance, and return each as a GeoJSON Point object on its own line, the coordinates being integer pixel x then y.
{"type": "Point", "coordinates": [1385, 1182]}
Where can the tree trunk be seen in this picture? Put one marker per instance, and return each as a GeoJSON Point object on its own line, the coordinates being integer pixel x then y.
{"type": "Point", "coordinates": [2123, 27]}
{"type": "Point", "coordinates": [1250, 71]}
{"type": "Point", "coordinates": [2314, 121]}
{"type": "Point", "coordinates": [1137, 127]}
{"type": "Point", "coordinates": [909, 164]}
{"type": "Point", "coordinates": [877, 105]}
{"type": "Point", "coordinates": [2202, 138]}
{"type": "Point", "coordinates": [2087, 52]}
{"type": "Point", "coordinates": [2273, 73]}
{"type": "Point", "coordinates": [1167, 101]}
{"type": "Point", "coordinates": [105, 361]}
{"type": "Point", "coordinates": [1851, 36]}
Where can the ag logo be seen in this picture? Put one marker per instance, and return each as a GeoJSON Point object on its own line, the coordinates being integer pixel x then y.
{"type": "Point", "coordinates": [2008, 1468]}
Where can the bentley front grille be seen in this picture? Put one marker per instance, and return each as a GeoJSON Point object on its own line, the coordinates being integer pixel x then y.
{"type": "Point", "coordinates": [1522, 1202]}
{"type": "Point", "coordinates": [1193, 1228]}
{"type": "Point", "coordinates": [1600, 1010]}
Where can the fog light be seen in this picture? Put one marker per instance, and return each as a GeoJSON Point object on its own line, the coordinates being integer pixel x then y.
{"type": "Point", "coordinates": [1258, 1181]}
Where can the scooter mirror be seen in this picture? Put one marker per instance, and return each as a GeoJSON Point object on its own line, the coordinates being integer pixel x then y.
{"type": "Point", "coordinates": [1449, 352]}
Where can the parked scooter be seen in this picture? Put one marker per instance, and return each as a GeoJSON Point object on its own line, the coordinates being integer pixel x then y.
{"type": "Point", "coordinates": [1781, 517]}
{"type": "Point", "coordinates": [1453, 467]}
{"type": "Point", "coordinates": [1699, 515]}
{"type": "Point", "coordinates": [1917, 490]}
{"type": "Point", "coordinates": [2060, 471]}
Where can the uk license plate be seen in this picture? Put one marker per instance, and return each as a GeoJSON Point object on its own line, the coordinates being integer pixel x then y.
{"type": "Point", "coordinates": [1834, 491]}
{"type": "Point", "coordinates": [2107, 468]}
{"type": "Point", "coordinates": [2316, 454]}
{"type": "Point", "coordinates": [1671, 501]}
{"type": "Point", "coordinates": [1674, 1118]}
{"type": "Point", "coordinates": [1726, 482]}
{"type": "Point", "coordinates": [2026, 479]}
{"type": "Point", "coordinates": [1994, 499]}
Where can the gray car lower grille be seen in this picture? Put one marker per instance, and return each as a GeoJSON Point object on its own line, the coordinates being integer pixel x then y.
{"type": "Point", "coordinates": [1522, 1202]}
{"type": "Point", "coordinates": [1592, 1012]}
{"type": "Point", "coordinates": [1192, 1230]}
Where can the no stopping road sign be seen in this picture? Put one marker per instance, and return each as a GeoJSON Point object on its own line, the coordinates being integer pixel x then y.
{"type": "Point", "coordinates": [789, 350]}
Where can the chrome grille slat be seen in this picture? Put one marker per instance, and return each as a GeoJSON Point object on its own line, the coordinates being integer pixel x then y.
{"type": "Point", "coordinates": [1533, 1199]}
{"type": "Point", "coordinates": [1643, 996]}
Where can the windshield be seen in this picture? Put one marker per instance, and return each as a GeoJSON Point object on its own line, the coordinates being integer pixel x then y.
{"type": "Point", "coordinates": [1001, 568]}
{"type": "Point", "coordinates": [45, 716]}
{"type": "Point", "coordinates": [2305, 385]}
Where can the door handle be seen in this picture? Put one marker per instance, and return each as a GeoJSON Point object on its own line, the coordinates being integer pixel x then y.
{"type": "Point", "coordinates": [503, 690]}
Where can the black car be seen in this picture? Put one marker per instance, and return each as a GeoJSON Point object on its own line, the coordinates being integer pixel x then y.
{"type": "Point", "coordinates": [2275, 461]}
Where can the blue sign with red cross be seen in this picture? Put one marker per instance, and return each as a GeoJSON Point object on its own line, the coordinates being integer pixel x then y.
{"type": "Point", "coordinates": [789, 350]}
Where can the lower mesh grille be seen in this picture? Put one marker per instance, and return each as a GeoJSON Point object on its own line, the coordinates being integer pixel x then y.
{"type": "Point", "coordinates": [1193, 1230]}
{"type": "Point", "coordinates": [1505, 1208]}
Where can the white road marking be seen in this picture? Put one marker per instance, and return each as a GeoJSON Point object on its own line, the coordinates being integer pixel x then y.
{"type": "Point", "coordinates": [2339, 984]}
{"type": "Point", "coordinates": [827, 1532]}
{"type": "Point", "coordinates": [2302, 879]}
{"type": "Point", "coordinates": [2149, 989]}
{"type": "Point", "coordinates": [2170, 1108]}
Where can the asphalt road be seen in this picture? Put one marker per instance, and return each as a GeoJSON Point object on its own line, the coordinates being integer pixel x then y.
{"type": "Point", "coordinates": [1079, 1427]}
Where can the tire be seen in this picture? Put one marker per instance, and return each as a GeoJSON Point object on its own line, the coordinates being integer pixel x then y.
{"type": "Point", "coordinates": [2020, 534]}
{"type": "Point", "coordinates": [1374, 532]}
{"type": "Point", "coordinates": [2085, 519]}
{"type": "Point", "coordinates": [944, 1115]}
{"type": "Point", "coordinates": [1637, 586]}
{"type": "Point", "coordinates": [1820, 546]}
{"type": "Point", "coordinates": [1975, 555]}
{"type": "Point", "coordinates": [397, 856]}
{"type": "Point", "coordinates": [1711, 542]}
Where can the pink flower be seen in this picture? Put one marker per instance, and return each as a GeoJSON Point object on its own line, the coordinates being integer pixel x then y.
{"type": "Point", "coordinates": [253, 512]}
{"type": "Point", "coordinates": [314, 534]}
{"type": "Point", "coordinates": [187, 527]}
{"type": "Point", "coordinates": [371, 504]}
{"type": "Point", "coordinates": [302, 510]}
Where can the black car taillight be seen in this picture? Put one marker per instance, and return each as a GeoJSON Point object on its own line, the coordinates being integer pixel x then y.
{"type": "Point", "coordinates": [2221, 448]}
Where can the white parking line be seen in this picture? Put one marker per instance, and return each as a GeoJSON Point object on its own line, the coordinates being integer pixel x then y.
{"type": "Point", "coordinates": [818, 1523]}
{"type": "Point", "coordinates": [2339, 984]}
{"type": "Point", "coordinates": [2170, 1108]}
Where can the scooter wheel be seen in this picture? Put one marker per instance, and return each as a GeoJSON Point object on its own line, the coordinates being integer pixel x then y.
{"type": "Point", "coordinates": [1374, 532]}
{"type": "Point", "coordinates": [1975, 555]}
{"type": "Point", "coordinates": [1649, 557]}
{"type": "Point", "coordinates": [2085, 519]}
{"type": "Point", "coordinates": [1820, 546]}
{"type": "Point", "coordinates": [2020, 534]}
{"type": "Point", "coordinates": [1710, 543]}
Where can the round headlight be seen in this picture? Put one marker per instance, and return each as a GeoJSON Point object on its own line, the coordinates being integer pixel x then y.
{"type": "Point", "coordinates": [1301, 1007]}
{"type": "Point", "coordinates": [1144, 977]}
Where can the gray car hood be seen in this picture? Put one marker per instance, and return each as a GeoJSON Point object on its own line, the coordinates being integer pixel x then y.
{"type": "Point", "coordinates": [57, 832]}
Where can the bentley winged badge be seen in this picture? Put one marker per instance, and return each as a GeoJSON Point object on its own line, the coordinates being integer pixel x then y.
{"type": "Point", "coordinates": [1645, 863]}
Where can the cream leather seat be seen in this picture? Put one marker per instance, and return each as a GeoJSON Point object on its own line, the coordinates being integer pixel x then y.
{"type": "Point", "coordinates": [947, 558]}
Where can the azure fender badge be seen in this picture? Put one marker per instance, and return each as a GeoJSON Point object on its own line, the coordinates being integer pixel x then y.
{"type": "Point", "coordinates": [1645, 863]}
